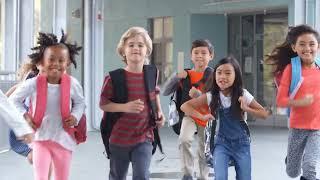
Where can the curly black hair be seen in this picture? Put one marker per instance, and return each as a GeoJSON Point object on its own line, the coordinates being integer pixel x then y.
{"type": "Point", "coordinates": [46, 40]}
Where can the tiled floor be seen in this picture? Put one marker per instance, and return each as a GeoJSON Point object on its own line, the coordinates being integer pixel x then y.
{"type": "Point", "coordinates": [89, 163]}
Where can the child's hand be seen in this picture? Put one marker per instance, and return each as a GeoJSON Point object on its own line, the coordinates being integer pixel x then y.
{"type": "Point", "coordinates": [194, 93]}
{"type": "Point", "coordinates": [135, 106]}
{"type": "Point", "coordinates": [243, 105]}
{"type": "Point", "coordinates": [307, 100]}
{"type": "Point", "coordinates": [160, 119]}
{"type": "Point", "coordinates": [208, 117]}
{"type": "Point", "coordinates": [71, 121]}
{"type": "Point", "coordinates": [27, 138]}
{"type": "Point", "coordinates": [182, 75]}
{"type": "Point", "coordinates": [30, 157]}
{"type": "Point", "coordinates": [29, 120]}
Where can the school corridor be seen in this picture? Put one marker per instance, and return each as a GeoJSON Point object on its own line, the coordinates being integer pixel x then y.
{"type": "Point", "coordinates": [89, 163]}
{"type": "Point", "coordinates": [247, 29]}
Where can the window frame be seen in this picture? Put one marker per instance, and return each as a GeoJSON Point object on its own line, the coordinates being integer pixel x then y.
{"type": "Point", "coordinates": [161, 53]}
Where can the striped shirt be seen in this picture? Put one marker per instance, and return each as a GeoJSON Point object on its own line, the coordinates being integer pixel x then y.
{"type": "Point", "coordinates": [131, 128]}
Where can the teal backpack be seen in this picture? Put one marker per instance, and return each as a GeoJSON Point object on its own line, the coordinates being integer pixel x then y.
{"type": "Point", "coordinates": [296, 77]}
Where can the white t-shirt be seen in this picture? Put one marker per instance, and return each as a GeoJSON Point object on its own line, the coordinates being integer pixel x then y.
{"type": "Point", "coordinates": [12, 117]}
{"type": "Point", "coordinates": [51, 126]}
{"type": "Point", "coordinates": [226, 100]}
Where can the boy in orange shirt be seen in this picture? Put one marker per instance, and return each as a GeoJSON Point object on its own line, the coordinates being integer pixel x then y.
{"type": "Point", "coordinates": [192, 82]}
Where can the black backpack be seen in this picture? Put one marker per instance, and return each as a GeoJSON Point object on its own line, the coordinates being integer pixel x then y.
{"type": "Point", "coordinates": [181, 95]}
{"type": "Point", "coordinates": [120, 95]}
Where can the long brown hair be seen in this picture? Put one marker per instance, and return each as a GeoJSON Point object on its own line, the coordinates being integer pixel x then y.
{"type": "Point", "coordinates": [281, 55]}
{"type": "Point", "coordinates": [236, 89]}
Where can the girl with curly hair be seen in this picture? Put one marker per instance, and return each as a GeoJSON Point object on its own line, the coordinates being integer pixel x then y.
{"type": "Point", "coordinates": [54, 140]}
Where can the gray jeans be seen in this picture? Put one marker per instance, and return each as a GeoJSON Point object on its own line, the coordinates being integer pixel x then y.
{"type": "Point", "coordinates": [303, 152]}
{"type": "Point", "coordinates": [140, 157]}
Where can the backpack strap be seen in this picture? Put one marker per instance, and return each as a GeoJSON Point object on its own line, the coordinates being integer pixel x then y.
{"type": "Point", "coordinates": [151, 74]}
{"type": "Point", "coordinates": [65, 87]}
{"type": "Point", "coordinates": [41, 101]}
{"type": "Point", "coordinates": [119, 85]}
{"type": "Point", "coordinates": [78, 133]}
{"type": "Point", "coordinates": [120, 95]}
{"type": "Point", "coordinates": [295, 73]}
{"type": "Point", "coordinates": [150, 81]}
{"type": "Point", "coordinates": [185, 88]}
{"type": "Point", "coordinates": [206, 74]}
{"type": "Point", "coordinates": [317, 61]}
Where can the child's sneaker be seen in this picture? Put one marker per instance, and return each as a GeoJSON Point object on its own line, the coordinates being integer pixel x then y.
{"type": "Point", "coordinates": [187, 177]}
{"type": "Point", "coordinates": [285, 160]}
{"type": "Point", "coordinates": [302, 178]}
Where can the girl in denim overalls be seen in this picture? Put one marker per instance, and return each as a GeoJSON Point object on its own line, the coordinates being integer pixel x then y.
{"type": "Point", "coordinates": [228, 101]}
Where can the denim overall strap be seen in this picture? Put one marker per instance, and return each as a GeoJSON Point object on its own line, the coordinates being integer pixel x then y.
{"type": "Point", "coordinates": [231, 127]}
{"type": "Point", "coordinates": [232, 145]}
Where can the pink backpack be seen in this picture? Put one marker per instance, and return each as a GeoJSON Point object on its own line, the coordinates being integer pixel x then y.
{"type": "Point", "coordinates": [79, 132]}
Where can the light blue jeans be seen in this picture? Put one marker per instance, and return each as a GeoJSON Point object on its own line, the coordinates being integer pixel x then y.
{"type": "Point", "coordinates": [237, 150]}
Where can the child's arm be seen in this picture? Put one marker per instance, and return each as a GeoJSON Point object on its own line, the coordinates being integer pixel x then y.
{"type": "Point", "coordinates": [253, 108]}
{"type": "Point", "coordinates": [190, 107]}
{"type": "Point", "coordinates": [135, 106]}
{"type": "Point", "coordinates": [172, 83]}
{"type": "Point", "coordinates": [283, 99]}
{"type": "Point", "coordinates": [78, 103]}
{"type": "Point", "coordinates": [305, 101]}
{"type": "Point", "coordinates": [14, 119]}
{"type": "Point", "coordinates": [11, 90]}
{"type": "Point", "coordinates": [24, 90]}
{"type": "Point", "coordinates": [194, 93]}
{"type": "Point", "coordinates": [160, 119]}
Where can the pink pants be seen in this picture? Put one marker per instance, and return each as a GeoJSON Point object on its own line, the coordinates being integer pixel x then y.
{"type": "Point", "coordinates": [46, 151]}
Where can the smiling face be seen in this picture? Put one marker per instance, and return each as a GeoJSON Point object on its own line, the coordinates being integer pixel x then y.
{"type": "Point", "coordinates": [55, 63]}
{"type": "Point", "coordinates": [135, 50]}
{"type": "Point", "coordinates": [306, 47]}
{"type": "Point", "coordinates": [200, 56]}
{"type": "Point", "coordinates": [225, 76]}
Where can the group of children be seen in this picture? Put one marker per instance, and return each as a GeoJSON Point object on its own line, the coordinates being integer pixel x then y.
{"type": "Point", "coordinates": [228, 102]}
{"type": "Point", "coordinates": [216, 94]}
{"type": "Point", "coordinates": [220, 97]}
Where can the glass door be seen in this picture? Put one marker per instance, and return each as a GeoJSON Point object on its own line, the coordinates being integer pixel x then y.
{"type": "Point", "coordinates": [275, 28]}
{"type": "Point", "coordinates": [248, 54]}
{"type": "Point", "coordinates": [251, 38]}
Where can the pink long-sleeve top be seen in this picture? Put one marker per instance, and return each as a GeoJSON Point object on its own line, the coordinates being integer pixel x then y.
{"type": "Point", "coordinates": [307, 117]}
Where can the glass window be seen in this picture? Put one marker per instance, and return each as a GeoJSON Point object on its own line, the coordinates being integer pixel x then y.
{"type": "Point", "coordinates": [250, 39]}
{"type": "Point", "coordinates": [157, 28]}
{"type": "Point", "coordinates": [275, 30]}
{"type": "Point", "coordinates": [167, 27]}
{"type": "Point", "coordinates": [1, 32]}
{"type": "Point", "coordinates": [168, 58]}
{"type": "Point", "coordinates": [36, 20]}
{"type": "Point", "coordinates": [162, 55]}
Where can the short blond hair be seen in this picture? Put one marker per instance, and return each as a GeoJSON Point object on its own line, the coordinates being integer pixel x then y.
{"type": "Point", "coordinates": [132, 32]}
